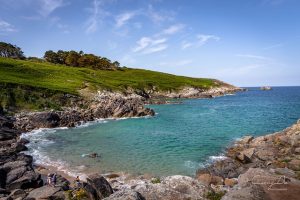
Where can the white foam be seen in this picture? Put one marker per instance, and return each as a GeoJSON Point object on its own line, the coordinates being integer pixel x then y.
{"type": "Point", "coordinates": [217, 158]}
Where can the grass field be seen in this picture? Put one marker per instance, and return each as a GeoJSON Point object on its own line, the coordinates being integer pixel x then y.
{"type": "Point", "coordinates": [71, 79]}
{"type": "Point", "coordinates": [29, 85]}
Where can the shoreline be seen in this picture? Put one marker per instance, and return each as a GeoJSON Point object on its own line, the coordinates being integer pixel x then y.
{"type": "Point", "coordinates": [210, 180]}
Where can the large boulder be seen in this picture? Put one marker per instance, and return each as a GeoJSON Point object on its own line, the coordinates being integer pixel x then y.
{"type": "Point", "coordinates": [45, 192]}
{"type": "Point", "coordinates": [172, 188]}
{"type": "Point", "coordinates": [125, 195]}
{"type": "Point", "coordinates": [251, 192]}
{"type": "Point", "coordinates": [99, 186]}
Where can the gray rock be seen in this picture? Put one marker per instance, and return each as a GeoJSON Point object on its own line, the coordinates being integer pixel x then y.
{"type": "Point", "coordinates": [125, 195]}
{"type": "Point", "coordinates": [18, 193]}
{"type": "Point", "coordinates": [100, 185]}
{"type": "Point", "coordinates": [45, 192]}
{"type": "Point", "coordinates": [251, 192]}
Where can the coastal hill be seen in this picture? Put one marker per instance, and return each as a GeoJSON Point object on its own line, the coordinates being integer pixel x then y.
{"type": "Point", "coordinates": [35, 85]}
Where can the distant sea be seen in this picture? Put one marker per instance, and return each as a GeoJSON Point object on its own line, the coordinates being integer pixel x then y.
{"type": "Point", "coordinates": [180, 139]}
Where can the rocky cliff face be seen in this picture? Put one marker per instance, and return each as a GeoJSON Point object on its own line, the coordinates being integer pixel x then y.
{"type": "Point", "coordinates": [103, 105]}
{"type": "Point", "coordinates": [16, 172]}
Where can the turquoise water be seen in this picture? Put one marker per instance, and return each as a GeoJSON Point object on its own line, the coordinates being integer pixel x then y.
{"type": "Point", "coordinates": [178, 140]}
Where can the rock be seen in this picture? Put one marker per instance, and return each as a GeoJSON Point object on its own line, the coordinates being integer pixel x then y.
{"type": "Point", "coordinates": [284, 171]}
{"type": "Point", "coordinates": [15, 174]}
{"type": "Point", "coordinates": [100, 185]}
{"type": "Point", "coordinates": [246, 155]}
{"type": "Point", "coordinates": [246, 139]}
{"type": "Point", "coordinates": [18, 193]}
{"type": "Point", "coordinates": [104, 104]}
{"type": "Point", "coordinates": [125, 195]}
{"type": "Point", "coordinates": [45, 192]}
{"type": "Point", "coordinates": [205, 178]}
{"type": "Point", "coordinates": [297, 150]}
{"type": "Point", "coordinates": [252, 192]}
{"type": "Point", "coordinates": [230, 182]}
{"type": "Point", "coordinates": [171, 188]}
{"type": "Point", "coordinates": [294, 165]}
{"type": "Point", "coordinates": [265, 154]}
{"type": "Point", "coordinates": [93, 155]}
{"type": "Point", "coordinates": [29, 179]}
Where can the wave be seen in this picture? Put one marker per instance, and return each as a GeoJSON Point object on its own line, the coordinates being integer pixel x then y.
{"type": "Point", "coordinates": [217, 158]}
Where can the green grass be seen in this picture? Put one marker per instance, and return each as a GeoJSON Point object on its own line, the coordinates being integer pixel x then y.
{"type": "Point", "coordinates": [71, 79]}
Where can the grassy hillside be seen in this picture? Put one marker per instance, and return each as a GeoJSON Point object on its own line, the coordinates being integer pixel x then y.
{"type": "Point", "coordinates": [71, 79]}
{"type": "Point", "coordinates": [33, 85]}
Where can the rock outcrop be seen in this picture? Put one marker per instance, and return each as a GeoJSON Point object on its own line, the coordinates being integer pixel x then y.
{"type": "Point", "coordinates": [192, 92]}
{"type": "Point", "coordinates": [103, 105]}
{"type": "Point", "coordinates": [266, 167]}
{"type": "Point", "coordinates": [169, 188]}
{"type": "Point", "coordinates": [16, 171]}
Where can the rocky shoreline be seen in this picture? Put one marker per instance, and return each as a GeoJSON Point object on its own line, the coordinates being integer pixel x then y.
{"type": "Point", "coordinates": [105, 104]}
{"type": "Point", "coordinates": [266, 167]}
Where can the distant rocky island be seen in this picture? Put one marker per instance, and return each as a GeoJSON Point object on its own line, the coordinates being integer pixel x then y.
{"type": "Point", "coordinates": [266, 88]}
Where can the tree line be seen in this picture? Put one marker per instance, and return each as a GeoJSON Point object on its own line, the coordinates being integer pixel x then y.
{"type": "Point", "coordinates": [11, 51]}
{"type": "Point", "coordinates": [80, 59]}
{"type": "Point", "coordinates": [69, 58]}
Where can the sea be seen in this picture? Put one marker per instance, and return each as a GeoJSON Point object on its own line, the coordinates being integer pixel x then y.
{"type": "Point", "coordinates": [179, 139]}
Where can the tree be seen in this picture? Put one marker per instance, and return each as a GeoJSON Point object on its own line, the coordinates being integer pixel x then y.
{"type": "Point", "coordinates": [11, 51]}
{"type": "Point", "coordinates": [72, 59]}
{"type": "Point", "coordinates": [116, 64]}
{"type": "Point", "coordinates": [62, 55]}
{"type": "Point", "coordinates": [51, 56]}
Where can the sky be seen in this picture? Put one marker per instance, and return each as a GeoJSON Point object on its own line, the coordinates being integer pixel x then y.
{"type": "Point", "coordinates": [242, 42]}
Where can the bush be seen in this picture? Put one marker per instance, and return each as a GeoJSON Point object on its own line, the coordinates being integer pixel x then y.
{"type": "Point", "coordinates": [76, 194]}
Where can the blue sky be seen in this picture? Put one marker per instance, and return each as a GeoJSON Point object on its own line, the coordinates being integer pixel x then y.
{"type": "Point", "coordinates": [243, 42]}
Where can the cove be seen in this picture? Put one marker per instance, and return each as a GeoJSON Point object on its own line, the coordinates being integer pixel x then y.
{"type": "Point", "coordinates": [180, 139]}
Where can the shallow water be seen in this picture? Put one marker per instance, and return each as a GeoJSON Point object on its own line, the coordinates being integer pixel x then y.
{"type": "Point", "coordinates": [178, 140]}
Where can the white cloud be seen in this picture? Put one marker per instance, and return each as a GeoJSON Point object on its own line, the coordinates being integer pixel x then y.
{"type": "Point", "coordinates": [6, 27]}
{"type": "Point", "coordinates": [203, 39]}
{"type": "Point", "coordinates": [49, 6]}
{"type": "Point", "coordinates": [124, 18]}
{"type": "Point", "coordinates": [147, 45]}
{"type": "Point", "coordinates": [96, 16]}
{"type": "Point", "coordinates": [173, 29]}
{"type": "Point", "coordinates": [273, 46]}
{"type": "Point", "coordinates": [155, 49]}
{"type": "Point", "coordinates": [186, 44]}
{"type": "Point", "coordinates": [253, 56]}
{"type": "Point", "coordinates": [158, 17]}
